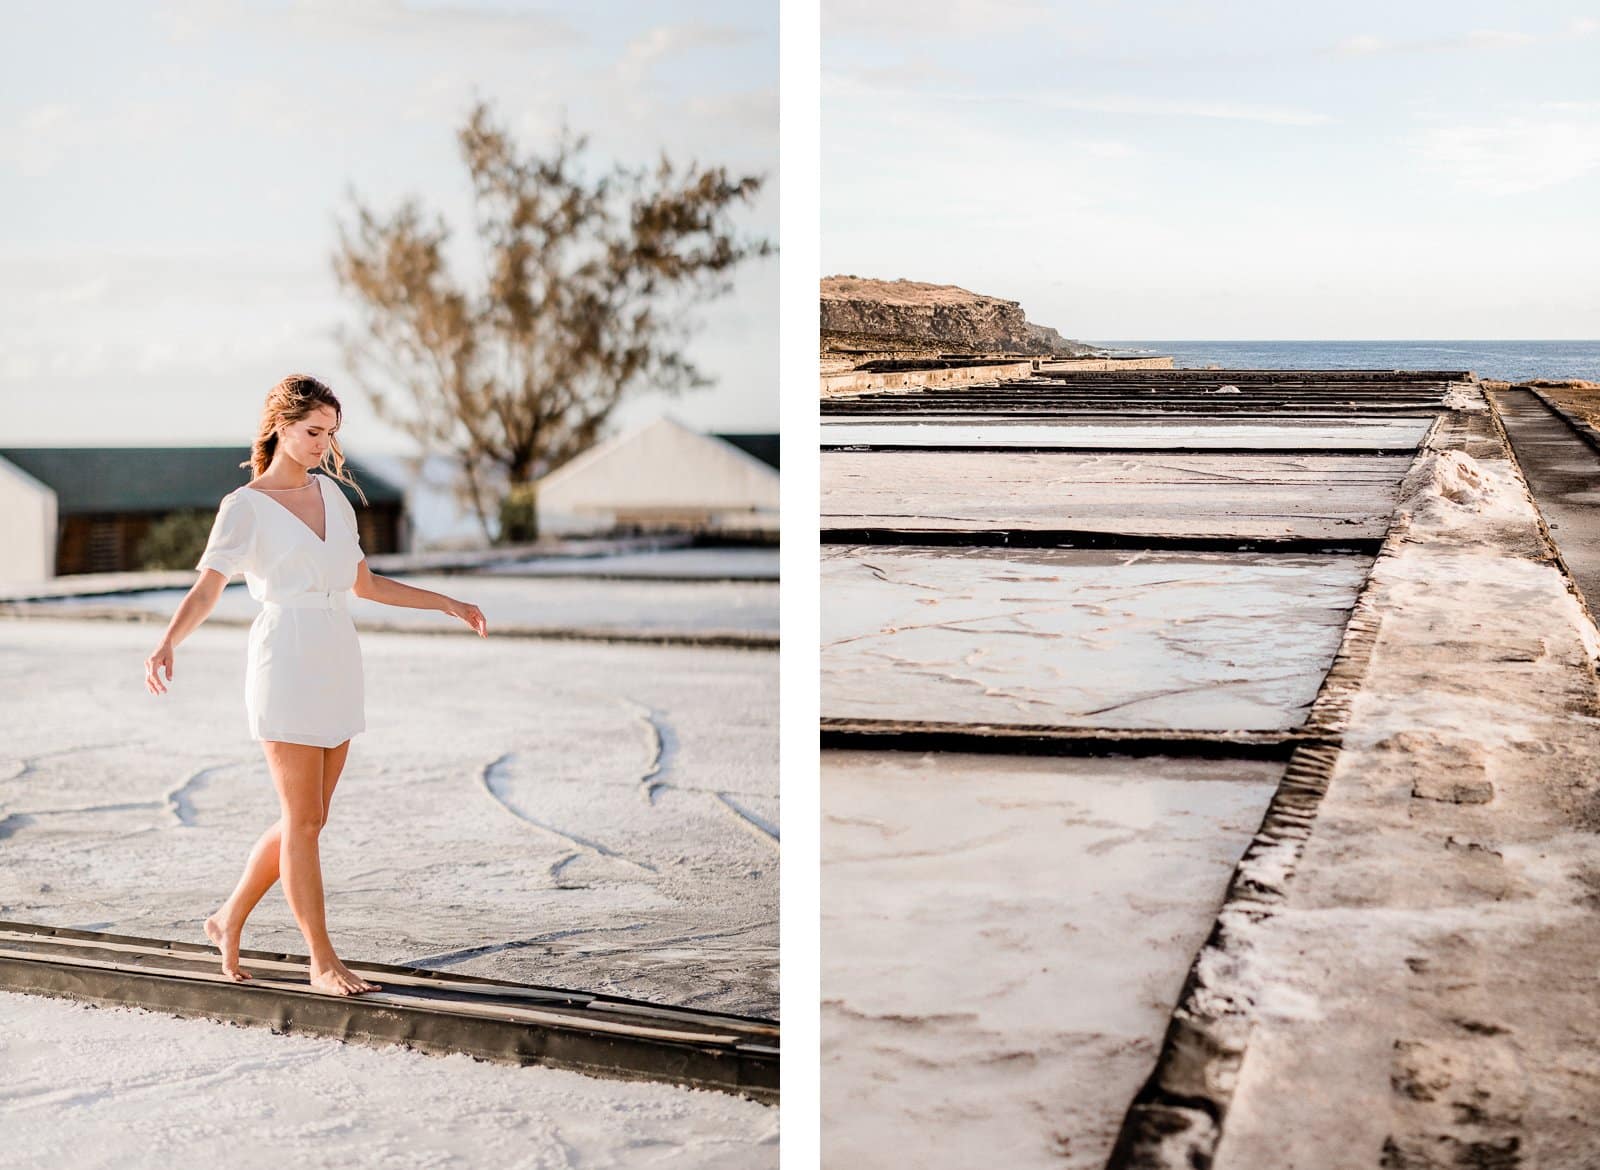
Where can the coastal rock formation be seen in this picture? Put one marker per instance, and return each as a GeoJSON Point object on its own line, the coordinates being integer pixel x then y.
{"type": "Point", "coordinates": [917, 319]}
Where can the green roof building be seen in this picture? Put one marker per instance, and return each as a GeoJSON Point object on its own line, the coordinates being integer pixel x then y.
{"type": "Point", "coordinates": [88, 509]}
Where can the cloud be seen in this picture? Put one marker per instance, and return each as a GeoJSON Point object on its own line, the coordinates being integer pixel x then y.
{"type": "Point", "coordinates": [1493, 38]}
{"type": "Point", "coordinates": [911, 72]}
{"type": "Point", "coordinates": [1363, 45]}
{"type": "Point", "coordinates": [434, 27]}
{"type": "Point", "coordinates": [1182, 108]}
{"type": "Point", "coordinates": [92, 322]}
{"type": "Point", "coordinates": [856, 87]}
{"type": "Point", "coordinates": [863, 87]}
{"type": "Point", "coordinates": [42, 137]}
{"type": "Point", "coordinates": [934, 19]}
{"type": "Point", "coordinates": [1516, 155]}
{"type": "Point", "coordinates": [1584, 26]}
{"type": "Point", "coordinates": [755, 111]}
{"type": "Point", "coordinates": [1102, 148]}
{"type": "Point", "coordinates": [1367, 45]}
{"type": "Point", "coordinates": [643, 53]}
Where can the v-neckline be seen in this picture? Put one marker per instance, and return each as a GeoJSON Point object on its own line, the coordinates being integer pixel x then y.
{"type": "Point", "coordinates": [323, 539]}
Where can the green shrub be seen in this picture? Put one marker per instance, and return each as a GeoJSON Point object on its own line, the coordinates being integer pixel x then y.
{"type": "Point", "coordinates": [519, 515]}
{"type": "Point", "coordinates": [175, 541]}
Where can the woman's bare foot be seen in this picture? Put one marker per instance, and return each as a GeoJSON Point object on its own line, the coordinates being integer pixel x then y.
{"type": "Point", "coordinates": [340, 980]}
{"type": "Point", "coordinates": [224, 935]}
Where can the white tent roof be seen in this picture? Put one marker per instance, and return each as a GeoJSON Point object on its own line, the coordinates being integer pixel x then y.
{"type": "Point", "coordinates": [661, 464]}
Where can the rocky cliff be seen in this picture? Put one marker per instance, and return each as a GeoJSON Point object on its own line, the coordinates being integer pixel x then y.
{"type": "Point", "coordinates": [909, 316]}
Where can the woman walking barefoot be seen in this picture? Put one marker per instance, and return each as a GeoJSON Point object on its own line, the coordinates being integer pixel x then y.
{"type": "Point", "coordinates": [293, 535]}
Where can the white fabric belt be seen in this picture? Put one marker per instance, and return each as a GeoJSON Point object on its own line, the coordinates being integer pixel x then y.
{"type": "Point", "coordinates": [338, 599]}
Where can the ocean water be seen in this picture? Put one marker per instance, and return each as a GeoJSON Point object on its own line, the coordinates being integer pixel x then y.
{"type": "Point", "coordinates": [1513, 361]}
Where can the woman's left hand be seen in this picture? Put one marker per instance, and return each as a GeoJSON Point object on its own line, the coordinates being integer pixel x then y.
{"type": "Point", "coordinates": [470, 614]}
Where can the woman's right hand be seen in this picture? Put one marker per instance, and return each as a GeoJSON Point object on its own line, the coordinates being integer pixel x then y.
{"type": "Point", "coordinates": [153, 664]}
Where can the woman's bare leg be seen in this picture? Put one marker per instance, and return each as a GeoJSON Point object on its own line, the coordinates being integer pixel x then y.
{"type": "Point", "coordinates": [261, 871]}
{"type": "Point", "coordinates": [297, 772]}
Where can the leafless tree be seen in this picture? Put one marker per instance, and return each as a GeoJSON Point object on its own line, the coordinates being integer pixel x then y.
{"type": "Point", "coordinates": [589, 293]}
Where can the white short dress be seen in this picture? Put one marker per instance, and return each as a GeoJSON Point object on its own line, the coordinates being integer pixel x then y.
{"type": "Point", "coordinates": [303, 677]}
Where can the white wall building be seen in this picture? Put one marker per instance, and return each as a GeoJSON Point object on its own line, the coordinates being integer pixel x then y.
{"type": "Point", "coordinates": [27, 526]}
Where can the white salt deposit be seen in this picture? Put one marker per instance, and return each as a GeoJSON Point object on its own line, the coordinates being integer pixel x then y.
{"type": "Point", "coordinates": [1194, 432]}
{"type": "Point", "coordinates": [748, 606]}
{"type": "Point", "coordinates": [1463, 397]}
{"type": "Point", "coordinates": [1454, 489]}
{"type": "Point", "coordinates": [1003, 941]}
{"type": "Point", "coordinates": [586, 815]}
{"type": "Point", "coordinates": [117, 1088]}
{"type": "Point", "coordinates": [1314, 496]}
{"type": "Point", "coordinates": [1083, 638]}
{"type": "Point", "coordinates": [569, 813]}
{"type": "Point", "coordinates": [711, 564]}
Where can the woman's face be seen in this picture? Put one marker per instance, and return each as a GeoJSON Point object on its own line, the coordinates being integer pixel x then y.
{"type": "Point", "coordinates": [306, 441]}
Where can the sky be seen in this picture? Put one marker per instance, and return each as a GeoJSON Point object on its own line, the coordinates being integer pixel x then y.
{"type": "Point", "coordinates": [171, 175]}
{"type": "Point", "coordinates": [1244, 170]}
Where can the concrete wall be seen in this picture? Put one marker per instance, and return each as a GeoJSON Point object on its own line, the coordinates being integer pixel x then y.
{"type": "Point", "coordinates": [1070, 364]}
{"type": "Point", "coordinates": [27, 526]}
{"type": "Point", "coordinates": [834, 385]}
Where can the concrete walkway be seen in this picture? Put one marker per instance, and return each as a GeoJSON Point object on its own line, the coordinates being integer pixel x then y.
{"type": "Point", "coordinates": [1418, 987]}
{"type": "Point", "coordinates": [1563, 473]}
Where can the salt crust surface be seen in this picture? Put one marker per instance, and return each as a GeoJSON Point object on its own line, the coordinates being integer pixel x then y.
{"type": "Point", "coordinates": [117, 1088]}
{"type": "Point", "coordinates": [594, 816]}
{"type": "Point", "coordinates": [1081, 637]}
{"type": "Point", "coordinates": [1003, 942]}
{"type": "Point", "coordinates": [597, 816]}
{"type": "Point", "coordinates": [550, 602]}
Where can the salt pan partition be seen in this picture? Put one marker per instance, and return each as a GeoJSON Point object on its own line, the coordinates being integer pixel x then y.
{"type": "Point", "coordinates": [1077, 636]}
{"type": "Point", "coordinates": [493, 1019]}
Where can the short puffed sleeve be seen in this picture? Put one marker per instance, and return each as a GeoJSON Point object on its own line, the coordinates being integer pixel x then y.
{"type": "Point", "coordinates": [230, 547]}
{"type": "Point", "coordinates": [348, 511]}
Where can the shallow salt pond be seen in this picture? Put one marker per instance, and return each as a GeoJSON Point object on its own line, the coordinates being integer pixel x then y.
{"type": "Point", "coordinates": [1004, 937]}
{"type": "Point", "coordinates": [1003, 941]}
{"type": "Point", "coordinates": [708, 564]}
{"type": "Point", "coordinates": [1150, 494]}
{"type": "Point", "coordinates": [642, 605]}
{"type": "Point", "coordinates": [1081, 637]}
{"type": "Point", "coordinates": [1394, 434]}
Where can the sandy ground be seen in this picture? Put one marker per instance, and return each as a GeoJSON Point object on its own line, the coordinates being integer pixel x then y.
{"type": "Point", "coordinates": [1318, 497]}
{"type": "Point", "coordinates": [1003, 940]}
{"type": "Point", "coordinates": [745, 606]}
{"type": "Point", "coordinates": [125, 1089]}
{"type": "Point", "coordinates": [1153, 434]}
{"type": "Point", "coordinates": [1081, 637]}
